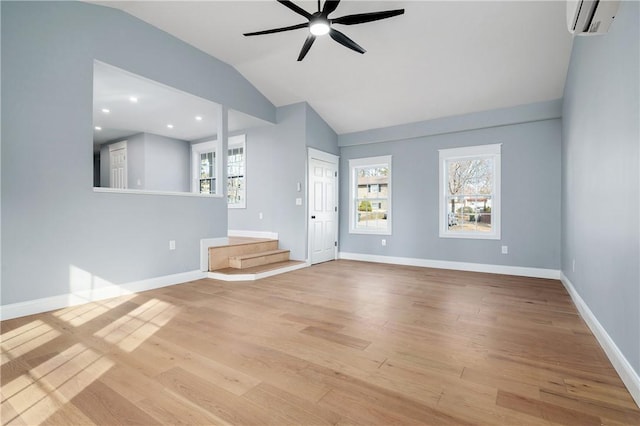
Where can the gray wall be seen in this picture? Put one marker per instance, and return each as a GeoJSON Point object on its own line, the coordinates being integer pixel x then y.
{"type": "Point", "coordinates": [167, 162]}
{"type": "Point", "coordinates": [52, 221]}
{"type": "Point", "coordinates": [319, 135]}
{"type": "Point", "coordinates": [600, 185]}
{"type": "Point", "coordinates": [276, 162]}
{"type": "Point", "coordinates": [530, 190]}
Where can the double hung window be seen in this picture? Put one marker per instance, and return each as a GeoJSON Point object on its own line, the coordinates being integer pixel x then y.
{"type": "Point", "coordinates": [470, 192]}
{"type": "Point", "coordinates": [370, 207]}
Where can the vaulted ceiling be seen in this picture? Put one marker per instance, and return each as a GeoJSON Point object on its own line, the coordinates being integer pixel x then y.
{"type": "Point", "coordinates": [441, 58]}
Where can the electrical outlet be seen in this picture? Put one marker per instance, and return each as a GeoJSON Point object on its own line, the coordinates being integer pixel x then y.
{"type": "Point", "coordinates": [260, 215]}
{"type": "Point", "coordinates": [383, 242]}
{"type": "Point", "coordinates": [505, 249]}
{"type": "Point", "coordinates": [172, 244]}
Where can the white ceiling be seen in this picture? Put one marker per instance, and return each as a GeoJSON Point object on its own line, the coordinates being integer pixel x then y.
{"type": "Point", "coordinates": [157, 107]}
{"type": "Point", "coordinates": [441, 58]}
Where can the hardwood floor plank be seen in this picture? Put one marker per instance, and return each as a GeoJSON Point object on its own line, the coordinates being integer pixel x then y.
{"type": "Point", "coordinates": [342, 339]}
{"type": "Point", "coordinates": [360, 411]}
{"type": "Point", "coordinates": [545, 410]}
{"type": "Point", "coordinates": [295, 410]}
{"type": "Point", "coordinates": [342, 342]}
{"type": "Point", "coordinates": [217, 401]}
{"type": "Point", "coordinates": [105, 406]}
{"type": "Point", "coordinates": [610, 411]}
{"type": "Point", "coordinates": [167, 408]}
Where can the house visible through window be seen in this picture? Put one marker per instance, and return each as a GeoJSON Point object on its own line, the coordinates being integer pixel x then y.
{"type": "Point", "coordinates": [470, 192]}
{"type": "Point", "coordinates": [370, 183]}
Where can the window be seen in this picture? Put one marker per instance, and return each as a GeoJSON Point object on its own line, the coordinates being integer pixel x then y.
{"type": "Point", "coordinates": [206, 165]}
{"type": "Point", "coordinates": [207, 172]}
{"type": "Point", "coordinates": [470, 192]}
{"type": "Point", "coordinates": [236, 172]}
{"type": "Point", "coordinates": [370, 207]}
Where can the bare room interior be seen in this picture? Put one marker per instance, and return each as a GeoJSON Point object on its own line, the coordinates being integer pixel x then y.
{"type": "Point", "coordinates": [320, 212]}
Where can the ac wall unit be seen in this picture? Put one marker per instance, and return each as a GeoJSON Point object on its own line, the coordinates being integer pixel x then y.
{"type": "Point", "coordinates": [591, 16]}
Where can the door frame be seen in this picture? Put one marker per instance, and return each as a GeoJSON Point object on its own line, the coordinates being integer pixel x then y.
{"type": "Point", "coordinates": [316, 154]}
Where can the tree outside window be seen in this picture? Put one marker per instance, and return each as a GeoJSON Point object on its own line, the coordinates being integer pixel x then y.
{"type": "Point", "coordinates": [470, 192]}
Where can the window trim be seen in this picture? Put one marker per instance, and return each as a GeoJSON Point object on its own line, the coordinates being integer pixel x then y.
{"type": "Point", "coordinates": [237, 142]}
{"type": "Point", "coordinates": [196, 150]}
{"type": "Point", "coordinates": [357, 163]}
{"type": "Point", "coordinates": [493, 151]}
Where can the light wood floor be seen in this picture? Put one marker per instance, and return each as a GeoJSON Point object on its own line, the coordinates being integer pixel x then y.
{"type": "Point", "coordinates": [339, 343]}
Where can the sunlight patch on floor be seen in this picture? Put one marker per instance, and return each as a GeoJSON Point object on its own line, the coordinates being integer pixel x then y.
{"type": "Point", "coordinates": [22, 340]}
{"type": "Point", "coordinates": [81, 314]}
{"type": "Point", "coordinates": [132, 329]}
{"type": "Point", "coordinates": [36, 395]}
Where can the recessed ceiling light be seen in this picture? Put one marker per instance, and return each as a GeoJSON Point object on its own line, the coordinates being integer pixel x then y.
{"type": "Point", "coordinates": [170, 126]}
{"type": "Point", "coordinates": [133, 99]}
{"type": "Point", "coordinates": [98, 128]}
{"type": "Point", "coordinates": [198, 118]}
{"type": "Point", "coordinates": [106, 110]}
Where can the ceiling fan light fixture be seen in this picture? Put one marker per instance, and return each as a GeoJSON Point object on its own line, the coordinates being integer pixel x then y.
{"type": "Point", "coordinates": [319, 27]}
{"type": "Point", "coordinates": [320, 24]}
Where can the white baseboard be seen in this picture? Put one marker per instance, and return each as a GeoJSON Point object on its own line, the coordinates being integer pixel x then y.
{"type": "Point", "coordinates": [253, 234]}
{"type": "Point", "coordinates": [45, 304]}
{"type": "Point", "coordinates": [629, 376]}
{"type": "Point", "coordinates": [459, 266]}
{"type": "Point", "coordinates": [254, 277]}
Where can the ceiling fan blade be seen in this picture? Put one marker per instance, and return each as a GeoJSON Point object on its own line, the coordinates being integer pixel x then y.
{"type": "Point", "coordinates": [329, 6]}
{"type": "Point", "coordinates": [345, 41]}
{"type": "Point", "coordinates": [297, 9]}
{"type": "Point", "coordinates": [278, 30]}
{"type": "Point", "coordinates": [306, 46]}
{"type": "Point", "coordinates": [361, 18]}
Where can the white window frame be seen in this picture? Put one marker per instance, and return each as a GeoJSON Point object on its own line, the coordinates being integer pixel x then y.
{"type": "Point", "coordinates": [382, 161]}
{"type": "Point", "coordinates": [492, 151]}
{"type": "Point", "coordinates": [239, 141]}
{"type": "Point", "coordinates": [201, 148]}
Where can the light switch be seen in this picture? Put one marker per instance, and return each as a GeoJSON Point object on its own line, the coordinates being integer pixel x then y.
{"type": "Point", "coordinates": [298, 201]}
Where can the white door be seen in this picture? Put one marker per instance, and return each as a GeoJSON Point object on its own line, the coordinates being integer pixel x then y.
{"type": "Point", "coordinates": [323, 210]}
{"type": "Point", "coordinates": [118, 165]}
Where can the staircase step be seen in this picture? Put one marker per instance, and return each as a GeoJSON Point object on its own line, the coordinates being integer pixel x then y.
{"type": "Point", "coordinates": [256, 259]}
{"type": "Point", "coordinates": [219, 255]}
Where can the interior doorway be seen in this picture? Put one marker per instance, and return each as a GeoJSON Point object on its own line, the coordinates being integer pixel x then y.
{"type": "Point", "coordinates": [323, 206]}
{"type": "Point", "coordinates": [118, 165]}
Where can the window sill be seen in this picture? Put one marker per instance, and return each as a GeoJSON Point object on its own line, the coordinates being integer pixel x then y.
{"type": "Point", "coordinates": [469, 236]}
{"type": "Point", "coordinates": [365, 232]}
{"type": "Point", "coordinates": [148, 192]}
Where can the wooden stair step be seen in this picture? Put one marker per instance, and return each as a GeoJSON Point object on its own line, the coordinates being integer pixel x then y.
{"type": "Point", "coordinates": [219, 255]}
{"type": "Point", "coordinates": [256, 259]}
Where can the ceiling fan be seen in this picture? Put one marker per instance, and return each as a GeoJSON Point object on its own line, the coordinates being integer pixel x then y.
{"type": "Point", "coordinates": [320, 24]}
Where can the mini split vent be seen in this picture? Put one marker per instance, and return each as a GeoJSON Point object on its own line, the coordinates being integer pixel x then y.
{"type": "Point", "coordinates": [591, 16]}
